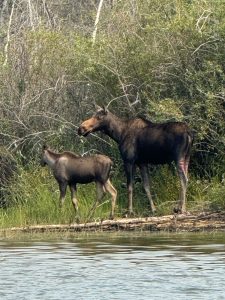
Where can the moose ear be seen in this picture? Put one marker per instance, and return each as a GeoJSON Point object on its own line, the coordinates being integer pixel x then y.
{"type": "Point", "coordinates": [101, 109]}
{"type": "Point", "coordinates": [105, 109]}
{"type": "Point", "coordinates": [97, 107]}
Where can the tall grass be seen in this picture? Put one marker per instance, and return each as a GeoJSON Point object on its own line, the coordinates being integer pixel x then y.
{"type": "Point", "coordinates": [202, 195]}
{"type": "Point", "coordinates": [34, 194]}
{"type": "Point", "coordinates": [34, 200]}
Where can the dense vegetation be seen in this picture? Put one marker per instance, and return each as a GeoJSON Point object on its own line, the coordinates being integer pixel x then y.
{"type": "Point", "coordinates": [162, 59]}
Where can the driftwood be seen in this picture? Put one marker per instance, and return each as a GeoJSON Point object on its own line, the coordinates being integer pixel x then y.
{"type": "Point", "coordinates": [171, 223]}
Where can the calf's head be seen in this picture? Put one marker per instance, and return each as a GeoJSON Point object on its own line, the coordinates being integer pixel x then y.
{"type": "Point", "coordinates": [43, 161]}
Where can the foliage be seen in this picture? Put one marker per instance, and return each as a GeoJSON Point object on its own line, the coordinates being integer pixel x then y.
{"type": "Point", "coordinates": [34, 200]}
{"type": "Point", "coordinates": [8, 167]}
{"type": "Point", "coordinates": [164, 59]}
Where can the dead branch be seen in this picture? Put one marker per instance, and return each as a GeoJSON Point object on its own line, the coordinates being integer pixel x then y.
{"type": "Point", "coordinates": [96, 21]}
{"type": "Point", "coordinates": [8, 34]}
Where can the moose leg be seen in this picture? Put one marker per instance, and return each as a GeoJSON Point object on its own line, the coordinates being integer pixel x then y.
{"type": "Point", "coordinates": [129, 169]}
{"type": "Point", "coordinates": [187, 160]}
{"type": "Point", "coordinates": [73, 190]}
{"type": "Point", "coordinates": [145, 178]}
{"type": "Point", "coordinates": [62, 189]}
{"type": "Point", "coordinates": [100, 193]}
{"type": "Point", "coordinates": [113, 192]}
{"type": "Point", "coordinates": [182, 173]}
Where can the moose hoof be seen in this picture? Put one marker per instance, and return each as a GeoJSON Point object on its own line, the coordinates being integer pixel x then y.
{"type": "Point", "coordinates": [153, 211]}
{"type": "Point", "coordinates": [180, 211]}
{"type": "Point", "coordinates": [176, 210]}
{"type": "Point", "coordinates": [77, 219]}
{"type": "Point", "coordinates": [128, 214]}
{"type": "Point", "coordinates": [111, 217]}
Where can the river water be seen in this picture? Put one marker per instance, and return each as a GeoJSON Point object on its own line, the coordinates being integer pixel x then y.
{"type": "Point", "coordinates": [113, 266]}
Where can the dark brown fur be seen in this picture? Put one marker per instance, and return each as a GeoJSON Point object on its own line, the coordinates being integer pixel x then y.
{"type": "Point", "coordinates": [142, 142]}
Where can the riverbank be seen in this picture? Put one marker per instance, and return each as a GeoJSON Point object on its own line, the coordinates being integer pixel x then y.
{"type": "Point", "coordinates": [170, 223]}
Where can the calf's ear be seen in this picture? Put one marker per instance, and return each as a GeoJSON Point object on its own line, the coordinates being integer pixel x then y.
{"type": "Point", "coordinates": [45, 147]}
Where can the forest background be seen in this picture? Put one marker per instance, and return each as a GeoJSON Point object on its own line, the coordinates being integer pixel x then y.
{"type": "Point", "coordinates": [164, 60]}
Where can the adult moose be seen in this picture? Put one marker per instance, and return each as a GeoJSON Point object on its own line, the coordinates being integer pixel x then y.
{"type": "Point", "coordinates": [142, 142]}
{"type": "Point", "coordinates": [71, 169]}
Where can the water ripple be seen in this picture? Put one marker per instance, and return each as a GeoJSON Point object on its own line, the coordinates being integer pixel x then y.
{"type": "Point", "coordinates": [120, 268]}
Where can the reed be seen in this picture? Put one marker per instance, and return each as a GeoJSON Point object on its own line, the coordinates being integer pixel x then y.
{"type": "Point", "coordinates": [33, 198]}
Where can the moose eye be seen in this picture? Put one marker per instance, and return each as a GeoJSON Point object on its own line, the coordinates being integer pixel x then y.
{"type": "Point", "coordinates": [99, 117]}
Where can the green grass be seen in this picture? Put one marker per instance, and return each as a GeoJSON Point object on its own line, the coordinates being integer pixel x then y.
{"type": "Point", "coordinates": [33, 198]}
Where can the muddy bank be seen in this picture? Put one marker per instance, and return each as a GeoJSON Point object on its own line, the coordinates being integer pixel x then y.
{"type": "Point", "coordinates": [170, 223]}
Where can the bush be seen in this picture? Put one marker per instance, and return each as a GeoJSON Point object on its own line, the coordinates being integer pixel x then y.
{"type": "Point", "coordinates": [161, 59]}
{"type": "Point", "coordinates": [8, 167]}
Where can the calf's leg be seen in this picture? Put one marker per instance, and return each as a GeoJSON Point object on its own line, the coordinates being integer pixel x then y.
{"type": "Point", "coordinates": [62, 189]}
{"type": "Point", "coordinates": [113, 192]}
{"type": "Point", "coordinates": [73, 190]}
{"type": "Point", "coordinates": [99, 195]}
{"type": "Point", "coordinates": [100, 190]}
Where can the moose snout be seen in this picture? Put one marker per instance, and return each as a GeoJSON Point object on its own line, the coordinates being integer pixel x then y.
{"type": "Point", "coordinates": [42, 163]}
{"type": "Point", "coordinates": [81, 130]}
{"type": "Point", "coordinates": [86, 128]}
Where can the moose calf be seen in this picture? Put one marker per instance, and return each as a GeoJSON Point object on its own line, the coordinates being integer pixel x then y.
{"type": "Point", "coordinates": [70, 169]}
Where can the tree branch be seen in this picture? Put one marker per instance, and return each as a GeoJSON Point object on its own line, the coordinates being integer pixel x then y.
{"type": "Point", "coordinates": [8, 34]}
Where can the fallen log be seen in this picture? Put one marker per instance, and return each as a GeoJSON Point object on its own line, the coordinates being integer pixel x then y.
{"type": "Point", "coordinates": [171, 223]}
